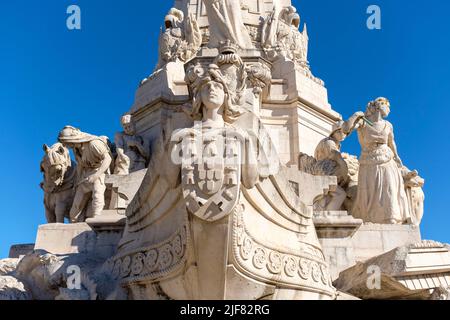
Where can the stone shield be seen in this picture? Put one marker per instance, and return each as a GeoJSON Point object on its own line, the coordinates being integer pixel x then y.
{"type": "Point", "coordinates": [211, 173]}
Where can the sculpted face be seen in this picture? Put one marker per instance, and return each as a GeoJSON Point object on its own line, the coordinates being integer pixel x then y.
{"type": "Point", "coordinates": [128, 128]}
{"type": "Point", "coordinates": [213, 95]}
{"type": "Point", "coordinates": [340, 135]}
{"type": "Point", "coordinates": [384, 108]}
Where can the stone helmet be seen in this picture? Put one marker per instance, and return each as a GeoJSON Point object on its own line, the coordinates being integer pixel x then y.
{"type": "Point", "coordinates": [174, 18]}
{"type": "Point", "coordinates": [71, 134]}
{"type": "Point", "coordinates": [338, 125]}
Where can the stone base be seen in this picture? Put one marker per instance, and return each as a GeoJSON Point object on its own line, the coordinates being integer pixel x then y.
{"type": "Point", "coordinates": [335, 224]}
{"type": "Point", "coordinates": [345, 241]}
{"type": "Point", "coordinates": [374, 239]}
{"type": "Point", "coordinates": [18, 250]}
{"type": "Point", "coordinates": [109, 220]}
{"type": "Point", "coordinates": [65, 239]}
{"type": "Point", "coordinates": [335, 230]}
{"type": "Point", "coordinates": [416, 271]}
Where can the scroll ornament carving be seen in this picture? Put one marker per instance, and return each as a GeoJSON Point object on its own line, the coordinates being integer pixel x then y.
{"type": "Point", "coordinates": [153, 262]}
{"type": "Point", "coordinates": [267, 261]}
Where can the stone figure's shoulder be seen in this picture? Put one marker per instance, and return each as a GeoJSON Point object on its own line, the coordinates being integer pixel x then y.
{"type": "Point", "coordinates": [98, 146]}
{"type": "Point", "coordinates": [119, 139]}
{"type": "Point", "coordinates": [328, 144]}
{"type": "Point", "coordinates": [388, 124]}
{"type": "Point", "coordinates": [389, 127]}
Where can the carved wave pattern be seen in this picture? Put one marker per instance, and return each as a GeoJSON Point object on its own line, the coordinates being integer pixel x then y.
{"type": "Point", "coordinates": [153, 262]}
{"type": "Point", "coordinates": [309, 270]}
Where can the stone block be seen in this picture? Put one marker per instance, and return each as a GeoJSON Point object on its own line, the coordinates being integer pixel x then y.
{"type": "Point", "coordinates": [76, 238]}
{"type": "Point", "coordinates": [18, 250]}
{"type": "Point", "coordinates": [65, 238]}
{"type": "Point", "coordinates": [374, 239]}
{"type": "Point", "coordinates": [415, 271]}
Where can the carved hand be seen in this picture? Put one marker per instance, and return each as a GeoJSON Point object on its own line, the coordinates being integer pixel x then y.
{"type": "Point", "coordinates": [132, 143]}
{"type": "Point", "coordinates": [92, 179]}
{"type": "Point", "coordinates": [359, 114]}
{"type": "Point", "coordinates": [399, 162]}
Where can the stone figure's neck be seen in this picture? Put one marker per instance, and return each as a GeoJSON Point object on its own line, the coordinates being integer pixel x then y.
{"type": "Point", "coordinates": [375, 117]}
{"type": "Point", "coordinates": [213, 117]}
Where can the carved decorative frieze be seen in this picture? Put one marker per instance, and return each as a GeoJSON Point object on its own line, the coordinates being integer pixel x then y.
{"type": "Point", "coordinates": [263, 262]}
{"type": "Point", "coordinates": [153, 262]}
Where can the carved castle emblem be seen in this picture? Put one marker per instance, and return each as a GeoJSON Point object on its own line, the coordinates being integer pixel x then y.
{"type": "Point", "coordinates": [211, 171]}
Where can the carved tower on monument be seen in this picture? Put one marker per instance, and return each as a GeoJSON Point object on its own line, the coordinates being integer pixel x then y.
{"type": "Point", "coordinates": [294, 106]}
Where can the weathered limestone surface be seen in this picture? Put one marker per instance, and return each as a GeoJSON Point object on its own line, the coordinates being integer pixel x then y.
{"type": "Point", "coordinates": [346, 241]}
{"type": "Point", "coordinates": [20, 250]}
{"type": "Point", "coordinates": [8, 265]}
{"type": "Point", "coordinates": [374, 239]}
{"type": "Point", "coordinates": [13, 289]}
{"type": "Point", "coordinates": [76, 238]}
{"type": "Point", "coordinates": [415, 271]}
{"type": "Point", "coordinates": [229, 182]}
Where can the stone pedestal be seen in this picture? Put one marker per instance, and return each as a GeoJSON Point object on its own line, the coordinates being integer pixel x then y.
{"type": "Point", "coordinates": [79, 238]}
{"type": "Point", "coordinates": [415, 271]}
{"type": "Point", "coordinates": [374, 239]}
{"type": "Point", "coordinates": [18, 250]}
{"type": "Point", "coordinates": [335, 230]}
{"type": "Point", "coordinates": [346, 241]}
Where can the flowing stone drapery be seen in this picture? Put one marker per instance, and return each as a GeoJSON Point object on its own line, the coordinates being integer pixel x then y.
{"type": "Point", "coordinates": [381, 192]}
{"type": "Point", "coordinates": [226, 23]}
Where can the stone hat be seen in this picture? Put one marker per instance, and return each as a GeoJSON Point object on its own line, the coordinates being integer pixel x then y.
{"type": "Point", "coordinates": [174, 18]}
{"type": "Point", "coordinates": [126, 119]}
{"type": "Point", "coordinates": [73, 135]}
{"type": "Point", "coordinates": [337, 126]}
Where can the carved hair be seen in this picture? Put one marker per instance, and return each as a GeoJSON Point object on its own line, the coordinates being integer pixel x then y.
{"type": "Point", "coordinates": [213, 74]}
{"type": "Point", "coordinates": [177, 13]}
{"type": "Point", "coordinates": [374, 106]}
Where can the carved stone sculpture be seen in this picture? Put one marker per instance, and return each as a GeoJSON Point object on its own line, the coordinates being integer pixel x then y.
{"type": "Point", "coordinates": [59, 182]}
{"type": "Point", "coordinates": [12, 289]}
{"type": "Point", "coordinates": [381, 196]}
{"type": "Point", "coordinates": [222, 210]}
{"type": "Point", "coordinates": [281, 35]}
{"type": "Point", "coordinates": [352, 185]}
{"type": "Point", "coordinates": [328, 152]}
{"type": "Point", "coordinates": [195, 227]}
{"type": "Point", "coordinates": [418, 271]}
{"type": "Point", "coordinates": [414, 184]}
{"type": "Point", "coordinates": [132, 149]}
{"type": "Point", "coordinates": [442, 293]}
{"type": "Point", "coordinates": [180, 40]}
{"type": "Point", "coordinates": [226, 23]}
{"type": "Point", "coordinates": [93, 157]}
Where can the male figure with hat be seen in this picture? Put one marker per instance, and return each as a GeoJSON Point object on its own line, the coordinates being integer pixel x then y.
{"type": "Point", "coordinates": [94, 158]}
{"type": "Point", "coordinates": [328, 152]}
{"type": "Point", "coordinates": [132, 150]}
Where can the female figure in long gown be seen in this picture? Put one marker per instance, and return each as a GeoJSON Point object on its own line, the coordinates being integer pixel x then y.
{"type": "Point", "coordinates": [381, 196]}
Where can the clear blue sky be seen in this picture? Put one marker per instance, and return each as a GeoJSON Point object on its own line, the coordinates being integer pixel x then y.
{"type": "Point", "coordinates": [50, 77]}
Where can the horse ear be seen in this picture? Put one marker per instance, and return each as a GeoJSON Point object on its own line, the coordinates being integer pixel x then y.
{"type": "Point", "coordinates": [46, 148]}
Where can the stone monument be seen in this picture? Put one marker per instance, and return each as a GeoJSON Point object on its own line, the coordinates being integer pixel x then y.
{"type": "Point", "coordinates": [229, 182]}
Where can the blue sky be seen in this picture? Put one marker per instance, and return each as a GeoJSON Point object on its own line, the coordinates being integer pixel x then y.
{"type": "Point", "coordinates": [50, 77]}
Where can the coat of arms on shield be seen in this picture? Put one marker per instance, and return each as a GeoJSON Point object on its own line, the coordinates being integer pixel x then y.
{"type": "Point", "coordinates": [211, 171]}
